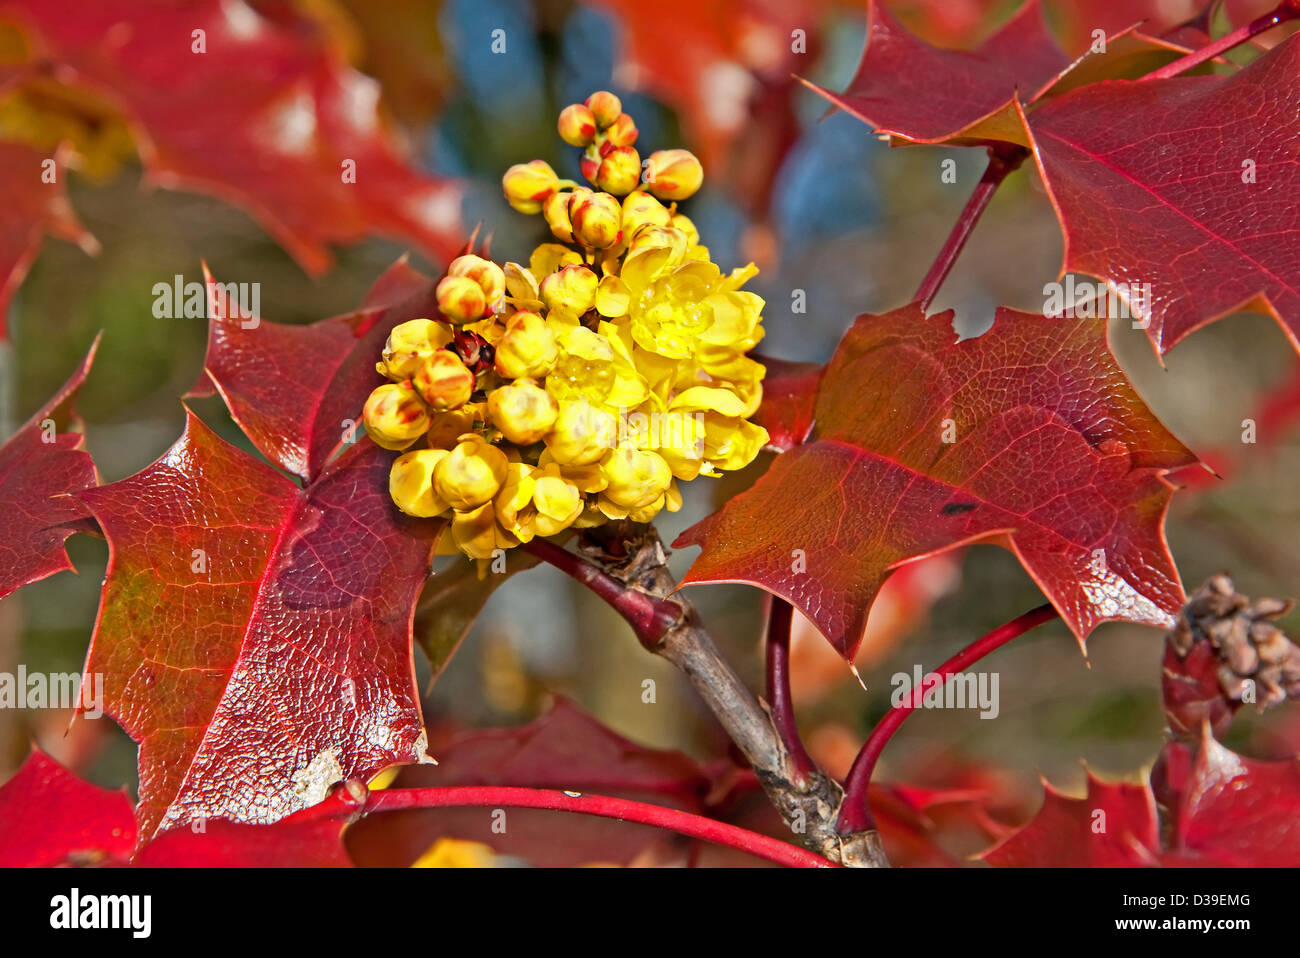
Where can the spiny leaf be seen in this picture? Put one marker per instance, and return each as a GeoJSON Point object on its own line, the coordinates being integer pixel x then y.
{"type": "Point", "coordinates": [1184, 188]}
{"type": "Point", "coordinates": [41, 466]}
{"type": "Point", "coordinates": [254, 637]}
{"type": "Point", "coordinates": [276, 142]}
{"type": "Point", "coordinates": [1027, 437]}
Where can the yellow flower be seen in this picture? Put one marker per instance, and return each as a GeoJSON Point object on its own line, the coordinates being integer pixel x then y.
{"type": "Point", "coordinates": [582, 433]}
{"type": "Point", "coordinates": [572, 290]}
{"type": "Point", "coordinates": [410, 344]}
{"type": "Point", "coordinates": [526, 185]}
{"type": "Point", "coordinates": [471, 473]}
{"type": "Point", "coordinates": [394, 416]}
{"type": "Point", "coordinates": [536, 501]}
{"type": "Point", "coordinates": [443, 381]}
{"type": "Point", "coordinates": [410, 483]}
{"type": "Point", "coordinates": [673, 174]}
{"type": "Point", "coordinates": [637, 480]}
{"type": "Point", "coordinates": [523, 411]}
{"type": "Point", "coordinates": [577, 124]}
{"type": "Point", "coordinates": [527, 350]}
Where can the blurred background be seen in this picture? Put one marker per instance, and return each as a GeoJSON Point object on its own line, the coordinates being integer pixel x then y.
{"type": "Point", "coordinates": [821, 206]}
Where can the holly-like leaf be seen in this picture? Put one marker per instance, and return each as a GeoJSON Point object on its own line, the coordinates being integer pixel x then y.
{"type": "Point", "coordinates": [566, 749]}
{"type": "Point", "coordinates": [789, 395]}
{"type": "Point", "coordinates": [1027, 437]}
{"type": "Point", "coordinates": [297, 141]}
{"type": "Point", "coordinates": [909, 89]}
{"type": "Point", "coordinates": [1113, 826]}
{"type": "Point", "coordinates": [1190, 210]}
{"type": "Point", "coordinates": [33, 202]}
{"type": "Point", "coordinates": [297, 391]}
{"type": "Point", "coordinates": [49, 817]}
{"type": "Point", "coordinates": [254, 636]}
{"type": "Point", "coordinates": [41, 466]}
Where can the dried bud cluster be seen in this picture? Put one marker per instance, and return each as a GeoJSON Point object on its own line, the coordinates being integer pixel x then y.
{"type": "Point", "coordinates": [585, 385]}
{"type": "Point", "coordinates": [1251, 650]}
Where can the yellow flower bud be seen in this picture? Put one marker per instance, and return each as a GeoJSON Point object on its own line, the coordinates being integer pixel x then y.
{"type": "Point", "coordinates": [673, 174]}
{"type": "Point", "coordinates": [394, 416]}
{"type": "Point", "coordinates": [523, 411]}
{"type": "Point", "coordinates": [622, 132]}
{"type": "Point", "coordinates": [471, 473]}
{"type": "Point", "coordinates": [582, 434]}
{"type": "Point", "coordinates": [558, 504]}
{"type": "Point", "coordinates": [489, 276]}
{"type": "Point", "coordinates": [597, 219]}
{"type": "Point", "coordinates": [410, 483]}
{"type": "Point", "coordinates": [443, 381]}
{"type": "Point", "coordinates": [410, 344]}
{"type": "Point", "coordinates": [446, 428]}
{"type": "Point", "coordinates": [475, 531]}
{"type": "Point", "coordinates": [571, 290]}
{"type": "Point", "coordinates": [605, 107]}
{"type": "Point", "coordinates": [527, 184]}
{"type": "Point", "coordinates": [556, 213]}
{"type": "Point", "coordinates": [619, 171]}
{"type": "Point", "coordinates": [684, 223]}
{"type": "Point", "coordinates": [641, 209]}
{"type": "Point", "coordinates": [613, 298]}
{"type": "Point", "coordinates": [637, 478]}
{"type": "Point", "coordinates": [577, 125]}
{"type": "Point", "coordinates": [659, 237]}
{"type": "Point", "coordinates": [528, 349]}
{"type": "Point", "coordinates": [461, 299]}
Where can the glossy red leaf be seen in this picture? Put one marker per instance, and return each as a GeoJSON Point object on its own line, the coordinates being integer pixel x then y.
{"type": "Point", "coordinates": [50, 817]}
{"type": "Point", "coordinates": [276, 142]}
{"type": "Point", "coordinates": [1239, 812]}
{"type": "Point", "coordinates": [31, 207]}
{"type": "Point", "coordinates": [789, 395]}
{"type": "Point", "coordinates": [254, 636]}
{"type": "Point", "coordinates": [566, 749]}
{"type": "Point", "coordinates": [1114, 826]}
{"type": "Point", "coordinates": [1049, 453]}
{"type": "Point", "coordinates": [1194, 201]}
{"type": "Point", "coordinates": [297, 391]}
{"type": "Point", "coordinates": [37, 481]}
{"type": "Point", "coordinates": [909, 89]}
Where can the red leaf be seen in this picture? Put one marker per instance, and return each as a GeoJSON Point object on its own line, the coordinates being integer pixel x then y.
{"type": "Point", "coordinates": [566, 749]}
{"type": "Point", "coordinates": [1206, 242]}
{"type": "Point", "coordinates": [1239, 812]}
{"type": "Point", "coordinates": [37, 480]}
{"type": "Point", "coordinates": [50, 817]}
{"type": "Point", "coordinates": [275, 142]}
{"type": "Point", "coordinates": [789, 394]}
{"type": "Point", "coordinates": [293, 389]}
{"type": "Point", "coordinates": [254, 636]}
{"type": "Point", "coordinates": [1051, 455]}
{"type": "Point", "coordinates": [30, 207]}
{"type": "Point", "coordinates": [906, 88]}
{"type": "Point", "coordinates": [1113, 827]}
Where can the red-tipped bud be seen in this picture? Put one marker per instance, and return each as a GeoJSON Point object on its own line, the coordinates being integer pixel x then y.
{"type": "Point", "coordinates": [526, 185]}
{"type": "Point", "coordinates": [605, 108]}
{"type": "Point", "coordinates": [673, 174]}
{"type": "Point", "coordinates": [619, 172]}
{"type": "Point", "coordinates": [577, 125]}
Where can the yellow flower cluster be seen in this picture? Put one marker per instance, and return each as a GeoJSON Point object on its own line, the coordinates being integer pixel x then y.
{"type": "Point", "coordinates": [581, 387]}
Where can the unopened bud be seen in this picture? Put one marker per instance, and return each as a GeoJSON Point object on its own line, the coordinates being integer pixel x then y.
{"type": "Point", "coordinates": [582, 434]}
{"type": "Point", "coordinates": [410, 344]}
{"type": "Point", "coordinates": [620, 171]}
{"type": "Point", "coordinates": [637, 477]}
{"type": "Point", "coordinates": [556, 213]}
{"type": "Point", "coordinates": [622, 132]}
{"type": "Point", "coordinates": [394, 416]}
{"type": "Point", "coordinates": [596, 218]}
{"type": "Point", "coordinates": [446, 428]}
{"type": "Point", "coordinates": [461, 299]}
{"type": "Point", "coordinates": [475, 531]}
{"type": "Point", "coordinates": [577, 125]}
{"type": "Point", "coordinates": [605, 108]}
{"type": "Point", "coordinates": [571, 290]}
{"type": "Point", "coordinates": [523, 411]}
{"type": "Point", "coordinates": [526, 185]}
{"type": "Point", "coordinates": [410, 483]}
{"type": "Point", "coordinates": [471, 473]}
{"type": "Point", "coordinates": [489, 276]}
{"type": "Point", "coordinates": [527, 349]}
{"type": "Point", "coordinates": [673, 174]}
{"type": "Point", "coordinates": [443, 381]}
{"type": "Point", "coordinates": [641, 209]}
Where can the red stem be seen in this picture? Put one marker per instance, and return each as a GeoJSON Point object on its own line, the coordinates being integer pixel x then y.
{"type": "Point", "coordinates": [1003, 158]}
{"type": "Point", "coordinates": [1286, 10]}
{"type": "Point", "coordinates": [684, 823]}
{"type": "Point", "coordinates": [854, 811]}
{"type": "Point", "coordinates": [780, 615]}
{"type": "Point", "coordinates": [649, 617]}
